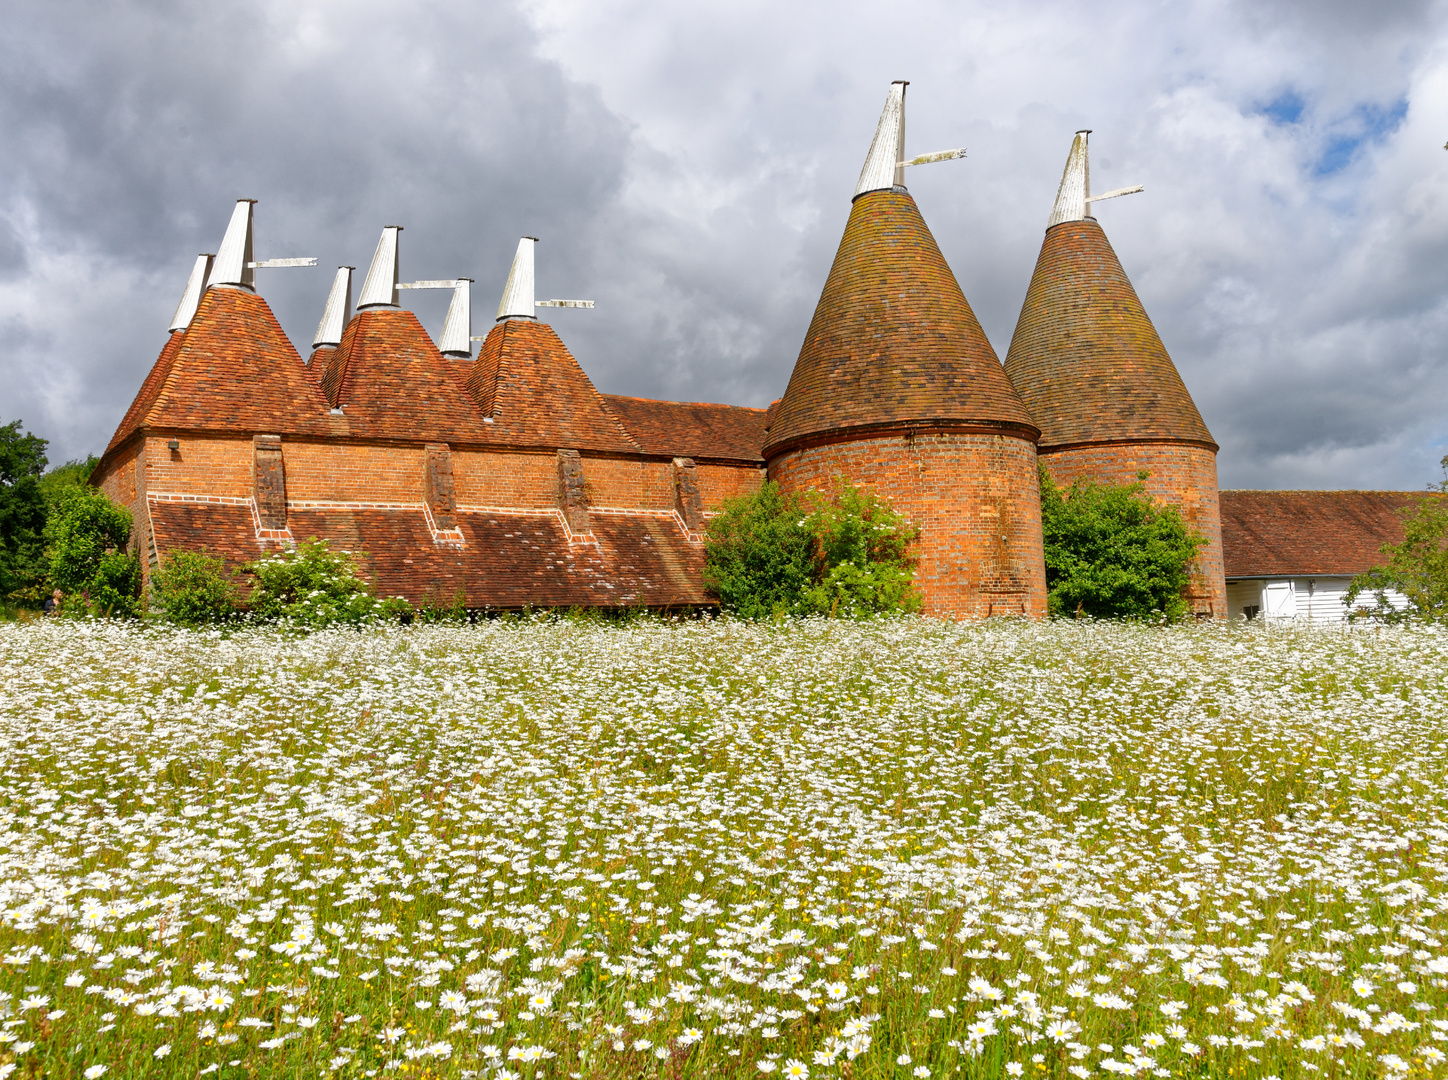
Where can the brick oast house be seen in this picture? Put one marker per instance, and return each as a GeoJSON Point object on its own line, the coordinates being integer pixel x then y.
{"type": "Point", "coordinates": [897, 389]}
{"type": "Point", "coordinates": [509, 481]}
{"type": "Point", "coordinates": [1292, 554]}
{"type": "Point", "coordinates": [1097, 379]}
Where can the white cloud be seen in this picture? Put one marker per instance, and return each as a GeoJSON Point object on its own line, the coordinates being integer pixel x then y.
{"type": "Point", "coordinates": [690, 165]}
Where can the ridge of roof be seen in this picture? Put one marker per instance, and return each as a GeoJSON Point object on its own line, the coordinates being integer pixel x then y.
{"type": "Point", "coordinates": [1085, 356]}
{"type": "Point", "coordinates": [537, 394]}
{"type": "Point", "coordinates": [1310, 533]}
{"type": "Point", "coordinates": [392, 383]}
{"type": "Point", "coordinates": [893, 339]}
{"type": "Point", "coordinates": [232, 370]}
{"type": "Point", "coordinates": [696, 429]}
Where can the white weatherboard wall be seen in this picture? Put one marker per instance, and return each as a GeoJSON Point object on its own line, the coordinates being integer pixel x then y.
{"type": "Point", "coordinates": [1315, 599]}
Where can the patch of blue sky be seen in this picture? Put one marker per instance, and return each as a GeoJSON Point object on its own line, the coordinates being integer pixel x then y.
{"type": "Point", "coordinates": [1367, 123]}
{"type": "Point", "coordinates": [1285, 108]}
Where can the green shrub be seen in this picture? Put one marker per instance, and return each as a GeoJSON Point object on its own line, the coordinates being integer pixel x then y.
{"type": "Point", "coordinates": [314, 586]}
{"type": "Point", "coordinates": [435, 610]}
{"type": "Point", "coordinates": [192, 588]}
{"type": "Point", "coordinates": [1113, 552]}
{"type": "Point", "coordinates": [772, 554]}
{"type": "Point", "coordinates": [86, 536]}
{"type": "Point", "coordinates": [1417, 568]}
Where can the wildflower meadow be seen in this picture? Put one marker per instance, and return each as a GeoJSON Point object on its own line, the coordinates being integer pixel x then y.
{"type": "Point", "coordinates": [900, 848]}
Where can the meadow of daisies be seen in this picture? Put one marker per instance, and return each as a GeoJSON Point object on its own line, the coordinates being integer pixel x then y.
{"type": "Point", "coordinates": [898, 849]}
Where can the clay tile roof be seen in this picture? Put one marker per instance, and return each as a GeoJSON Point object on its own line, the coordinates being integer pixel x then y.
{"type": "Point", "coordinates": [231, 370]}
{"type": "Point", "coordinates": [1299, 533]}
{"type": "Point", "coordinates": [391, 381]}
{"type": "Point", "coordinates": [1085, 356]}
{"type": "Point", "coordinates": [150, 390]}
{"type": "Point", "coordinates": [529, 383]}
{"type": "Point", "coordinates": [506, 561]}
{"type": "Point", "coordinates": [893, 339]}
{"type": "Point", "coordinates": [692, 429]}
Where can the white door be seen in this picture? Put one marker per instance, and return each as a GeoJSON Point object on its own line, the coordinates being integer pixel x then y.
{"type": "Point", "coordinates": [1279, 600]}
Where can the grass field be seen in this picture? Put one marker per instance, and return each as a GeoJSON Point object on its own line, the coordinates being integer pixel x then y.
{"type": "Point", "coordinates": [904, 849]}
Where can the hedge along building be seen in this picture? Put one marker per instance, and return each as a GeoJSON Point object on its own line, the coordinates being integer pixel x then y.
{"type": "Point", "coordinates": [506, 482]}
{"type": "Point", "coordinates": [1090, 366]}
{"type": "Point", "coordinates": [897, 389]}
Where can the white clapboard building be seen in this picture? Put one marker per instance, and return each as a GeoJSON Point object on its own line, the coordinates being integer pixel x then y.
{"type": "Point", "coordinates": [1292, 554]}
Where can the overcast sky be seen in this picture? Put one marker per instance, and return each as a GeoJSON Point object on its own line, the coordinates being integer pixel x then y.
{"type": "Point", "coordinates": [689, 166]}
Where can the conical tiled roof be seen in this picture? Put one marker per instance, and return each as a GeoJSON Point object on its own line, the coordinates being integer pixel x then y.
{"type": "Point", "coordinates": [1085, 356]}
{"type": "Point", "coordinates": [529, 383]}
{"type": "Point", "coordinates": [231, 370]}
{"type": "Point", "coordinates": [150, 390]}
{"type": "Point", "coordinates": [392, 383]}
{"type": "Point", "coordinates": [893, 340]}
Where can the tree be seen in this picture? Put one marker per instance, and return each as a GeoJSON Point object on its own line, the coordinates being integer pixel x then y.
{"type": "Point", "coordinates": [1113, 552]}
{"type": "Point", "coordinates": [772, 554]}
{"type": "Point", "coordinates": [22, 511]}
{"type": "Point", "coordinates": [86, 536]}
{"type": "Point", "coordinates": [1416, 569]}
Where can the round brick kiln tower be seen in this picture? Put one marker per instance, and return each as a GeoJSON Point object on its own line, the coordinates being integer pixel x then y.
{"type": "Point", "coordinates": [897, 389]}
{"type": "Point", "coordinates": [1096, 377]}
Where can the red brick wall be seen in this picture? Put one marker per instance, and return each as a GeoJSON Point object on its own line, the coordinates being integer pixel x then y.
{"type": "Point", "coordinates": [975, 499]}
{"type": "Point", "coordinates": [201, 465]}
{"type": "Point", "coordinates": [491, 478]}
{"type": "Point", "coordinates": [720, 482]}
{"type": "Point", "coordinates": [1181, 474]}
{"type": "Point", "coordinates": [351, 472]}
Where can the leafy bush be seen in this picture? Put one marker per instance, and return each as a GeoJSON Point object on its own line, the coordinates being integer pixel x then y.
{"type": "Point", "coordinates": [193, 588]}
{"type": "Point", "coordinates": [772, 554]}
{"type": "Point", "coordinates": [1114, 552]}
{"type": "Point", "coordinates": [1417, 568]}
{"type": "Point", "coordinates": [314, 586]}
{"type": "Point", "coordinates": [86, 536]}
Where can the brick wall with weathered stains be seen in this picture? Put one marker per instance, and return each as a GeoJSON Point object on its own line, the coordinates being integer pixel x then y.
{"type": "Point", "coordinates": [975, 498]}
{"type": "Point", "coordinates": [1180, 474]}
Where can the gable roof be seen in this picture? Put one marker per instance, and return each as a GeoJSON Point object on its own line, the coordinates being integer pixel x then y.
{"type": "Point", "coordinates": [231, 370]}
{"type": "Point", "coordinates": [529, 383]}
{"type": "Point", "coordinates": [1085, 355]}
{"type": "Point", "coordinates": [893, 339]}
{"type": "Point", "coordinates": [1304, 533]}
{"type": "Point", "coordinates": [692, 429]}
{"type": "Point", "coordinates": [392, 383]}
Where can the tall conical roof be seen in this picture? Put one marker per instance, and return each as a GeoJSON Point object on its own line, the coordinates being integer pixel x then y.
{"type": "Point", "coordinates": [392, 383]}
{"type": "Point", "coordinates": [231, 370]}
{"type": "Point", "coordinates": [1085, 356]}
{"type": "Point", "coordinates": [893, 340]}
{"type": "Point", "coordinates": [529, 383]}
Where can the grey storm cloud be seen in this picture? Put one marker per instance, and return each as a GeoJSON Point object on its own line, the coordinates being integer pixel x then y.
{"type": "Point", "coordinates": [689, 167]}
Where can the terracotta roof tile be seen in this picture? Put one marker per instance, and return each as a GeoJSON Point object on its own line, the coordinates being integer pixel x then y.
{"type": "Point", "coordinates": [232, 369]}
{"type": "Point", "coordinates": [1300, 533]}
{"type": "Point", "coordinates": [893, 338]}
{"type": "Point", "coordinates": [150, 390]}
{"type": "Point", "coordinates": [692, 429]}
{"type": "Point", "coordinates": [508, 560]}
{"type": "Point", "coordinates": [1085, 356]}
{"type": "Point", "coordinates": [529, 383]}
{"type": "Point", "coordinates": [392, 383]}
